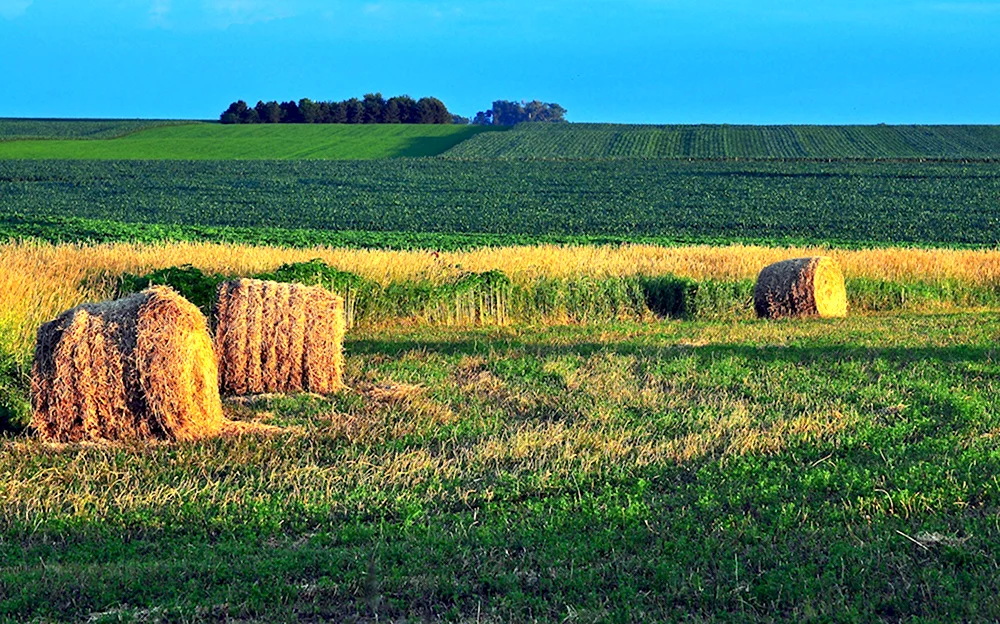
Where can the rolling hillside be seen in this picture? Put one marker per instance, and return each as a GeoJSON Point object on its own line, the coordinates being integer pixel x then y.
{"type": "Point", "coordinates": [598, 141]}
{"type": "Point", "coordinates": [164, 140]}
{"type": "Point", "coordinates": [202, 141]}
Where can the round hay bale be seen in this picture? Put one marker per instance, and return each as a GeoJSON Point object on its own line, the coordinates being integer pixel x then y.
{"type": "Point", "coordinates": [278, 337]}
{"type": "Point", "coordinates": [141, 367]}
{"type": "Point", "coordinates": [801, 287]}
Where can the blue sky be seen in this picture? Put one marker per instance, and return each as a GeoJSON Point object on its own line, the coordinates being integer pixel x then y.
{"type": "Point", "coordinates": [639, 61]}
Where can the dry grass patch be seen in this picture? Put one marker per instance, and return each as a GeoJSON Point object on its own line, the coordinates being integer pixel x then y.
{"type": "Point", "coordinates": [565, 449]}
{"type": "Point", "coordinates": [389, 411]}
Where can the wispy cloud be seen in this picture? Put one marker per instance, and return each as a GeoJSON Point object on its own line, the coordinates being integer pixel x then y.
{"type": "Point", "coordinates": [408, 10]}
{"type": "Point", "coordinates": [230, 12]}
{"type": "Point", "coordinates": [159, 12]}
{"type": "Point", "coordinates": [976, 8]}
{"type": "Point", "coordinates": [348, 15]}
{"type": "Point", "coordinates": [9, 9]}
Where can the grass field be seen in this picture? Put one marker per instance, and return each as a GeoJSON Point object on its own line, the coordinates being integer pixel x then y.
{"type": "Point", "coordinates": [827, 470]}
{"type": "Point", "coordinates": [253, 142]}
{"type": "Point", "coordinates": [601, 141]}
{"type": "Point", "coordinates": [779, 203]}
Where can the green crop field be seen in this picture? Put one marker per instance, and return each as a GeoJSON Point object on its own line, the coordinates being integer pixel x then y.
{"type": "Point", "coordinates": [201, 141]}
{"type": "Point", "coordinates": [198, 141]}
{"type": "Point", "coordinates": [826, 470]}
{"type": "Point", "coordinates": [310, 202]}
{"type": "Point", "coordinates": [31, 129]}
{"type": "Point", "coordinates": [599, 141]}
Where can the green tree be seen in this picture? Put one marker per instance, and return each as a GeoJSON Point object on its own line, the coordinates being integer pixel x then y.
{"type": "Point", "coordinates": [374, 105]}
{"type": "Point", "coordinates": [507, 113]}
{"type": "Point", "coordinates": [391, 114]}
{"type": "Point", "coordinates": [290, 112]}
{"type": "Point", "coordinates": [269, 112]}
{"type": "Point", "coordinates": [338, 112]}
{"type": "Point", "coordinates": [308, 110]}
{"type": "Point", "coordinates": [235, 113]}
{"type": "Point", "coordinates": [355, 111]}
{"type": "Point", "coordinates": [409, 109]}
{"type": "Point", "coordinates": [433, 111]}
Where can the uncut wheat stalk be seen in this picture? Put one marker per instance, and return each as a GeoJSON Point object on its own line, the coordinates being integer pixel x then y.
{"type": "Point", "coordinates": [277, 337]}
{"type": "Point", "coordinates": [141, 367]}
{"type": "Point", "coordinates": [801, 287]}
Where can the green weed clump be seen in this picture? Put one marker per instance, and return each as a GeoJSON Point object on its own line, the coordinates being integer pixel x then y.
{"type": "Point", "coordinates": [685, 298]}
{"type": "Point", "coordinates": [868, 295]}
{"type": "Point", "coordinates": [192, 283]}
{"type": "Point", "coordinates": [579, 300]}
{"type": "Point", "coordinates": [360, 294]}
{"type": "Point", "coordinates": [474, 298]}
{"type": "Point", "coordinates": [15, 405]}
{"type": "Point", "coordinates": [470, 298]}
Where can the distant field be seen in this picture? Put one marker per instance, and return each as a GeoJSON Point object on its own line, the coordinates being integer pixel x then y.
{"type": "Point", "coordinates": [846, 203]}
{"type": "Point", "coordinates": [557, 141]}
{"type": "Point", "coordinates": [253, 142]}
{"type": "Point", "coordinates": [28, 129]}
{"type": "Point", "coordinates": [157, 140]}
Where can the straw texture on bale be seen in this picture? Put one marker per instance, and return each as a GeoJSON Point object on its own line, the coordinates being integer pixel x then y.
{"type": "Point", "coordinates": [801, 287]}
{"type": "Point", "coordinates": [141, 367]}
{"type": "Point", "coordinates": [278, 337]}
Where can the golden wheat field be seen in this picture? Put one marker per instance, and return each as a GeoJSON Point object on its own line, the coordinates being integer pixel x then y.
{"type": "Point", "coordinates": [40, 280]}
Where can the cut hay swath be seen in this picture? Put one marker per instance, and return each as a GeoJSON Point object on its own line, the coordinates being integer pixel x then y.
{"type": "Point", "coordinates": [278, 337]}
{"type": "Point", "coordinates": [801, 287]}
{"type": "Point", "coordinates": [141, 367]}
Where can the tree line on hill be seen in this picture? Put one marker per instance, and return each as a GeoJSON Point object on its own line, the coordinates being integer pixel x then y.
{"type": "Point", "coordinates": [375, 109]}
{"type": "Point", "coordinates": [506, 113]}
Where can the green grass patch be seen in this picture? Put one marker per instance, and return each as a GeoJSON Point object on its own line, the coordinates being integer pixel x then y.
{"type": "Point", "coordinates": [254, 142]}
{"type": "Point", "coordinates": [824, 470]}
